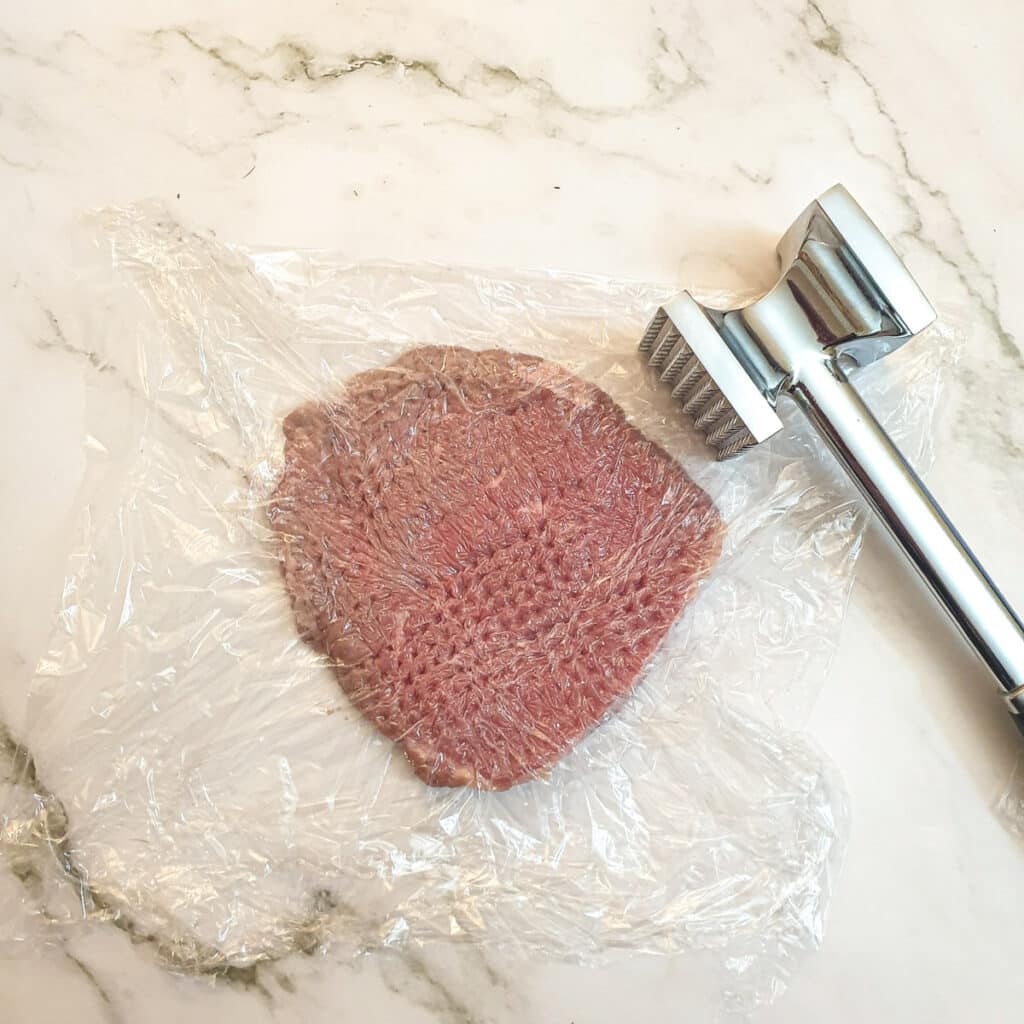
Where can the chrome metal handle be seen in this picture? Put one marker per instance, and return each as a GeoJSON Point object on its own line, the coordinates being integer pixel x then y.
{"type": "Point", "coordinates": [843, 296]}
{"type": "Point", "coordinates": [915, 520]}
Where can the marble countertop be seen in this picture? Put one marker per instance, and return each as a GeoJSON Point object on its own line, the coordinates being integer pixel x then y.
{"type": "Point", "coordinates": [657, 141]}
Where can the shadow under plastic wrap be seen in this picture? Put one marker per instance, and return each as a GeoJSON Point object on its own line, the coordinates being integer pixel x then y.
{"type": "Point", "coordinates": [211, 783]}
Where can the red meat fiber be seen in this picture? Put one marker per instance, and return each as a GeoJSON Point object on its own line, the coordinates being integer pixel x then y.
{"type": "Point", "coordinates": [487, 552]}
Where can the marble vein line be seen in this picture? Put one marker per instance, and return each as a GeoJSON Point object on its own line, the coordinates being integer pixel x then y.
{"type": "Point", "coordinates": [58, 341]}
{"type": "Point", "coordinates": [271, 123]}
{"type": "Point", "coordinates": [51, 835]}
{"type": "Point", "coordinates": [20, 165]}
{"type": "Point", "coordinates": [51, 829]}
{"type": "Point", "coordinates": [10, 50]}
{"type": "Point", "coordinates": [302, 64]}
{"type": "Point", "coordinates": [109, 1009]}
{"type": "Point", "coordinates": [294, 63]}
{"type": "Point", "coordinates": [438, 999]}
{"type": "Point", "coordinates": [826, 37]}
{"type": "Point", "coordinates": [51, 825]}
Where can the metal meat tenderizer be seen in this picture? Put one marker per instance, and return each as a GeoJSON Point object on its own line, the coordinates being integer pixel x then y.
{"type": "Point", "coordinates": [844, 299]}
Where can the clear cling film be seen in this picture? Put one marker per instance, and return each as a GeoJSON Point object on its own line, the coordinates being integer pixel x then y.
{"type": "Point", "coordinates": [487, 553]}
{"type": "Point", "coordinates": [190, 764]}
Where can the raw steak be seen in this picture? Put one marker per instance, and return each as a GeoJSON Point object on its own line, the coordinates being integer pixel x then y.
{"type": "Point", "coordinates": [488, 552]}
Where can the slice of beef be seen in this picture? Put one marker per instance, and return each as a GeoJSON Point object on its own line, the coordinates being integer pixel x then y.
{"type": "Point", "coordinates": [488, 552]}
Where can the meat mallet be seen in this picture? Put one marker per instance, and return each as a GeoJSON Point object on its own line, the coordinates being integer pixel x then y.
{"type": "Point", "coordinates": [843, 300]}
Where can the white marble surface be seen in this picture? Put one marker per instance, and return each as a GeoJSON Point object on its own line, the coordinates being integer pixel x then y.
{"type": "Point", "coordinates": [669, 142]}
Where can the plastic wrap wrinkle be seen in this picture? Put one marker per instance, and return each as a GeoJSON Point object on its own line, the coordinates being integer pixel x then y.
{"type": "Point", "coordinates": [216, 786]}
{"type": "Point", "coordinates": [487, 552]}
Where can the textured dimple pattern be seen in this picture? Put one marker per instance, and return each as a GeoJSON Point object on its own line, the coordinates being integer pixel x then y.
{"type": "Point", "coordinates": [488, 552]}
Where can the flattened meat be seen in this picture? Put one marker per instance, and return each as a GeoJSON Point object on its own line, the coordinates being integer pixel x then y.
{"type": "Point", "coordinates": [488, 552]}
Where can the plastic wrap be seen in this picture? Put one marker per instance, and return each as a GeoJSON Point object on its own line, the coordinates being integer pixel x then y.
{"type": "Point", "coordinates": [191, 767]}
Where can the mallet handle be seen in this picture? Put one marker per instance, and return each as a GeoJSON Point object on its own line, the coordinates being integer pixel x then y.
{"type": "Point", "coordinates": [918, 524]}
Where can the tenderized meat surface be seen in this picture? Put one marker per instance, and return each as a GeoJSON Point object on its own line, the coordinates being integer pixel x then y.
{"type": "Point", "coordinates": [488, 552]}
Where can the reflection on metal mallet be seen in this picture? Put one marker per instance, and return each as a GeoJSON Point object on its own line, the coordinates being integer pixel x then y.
{"type": "Point", "coordinates": [844, 299]}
